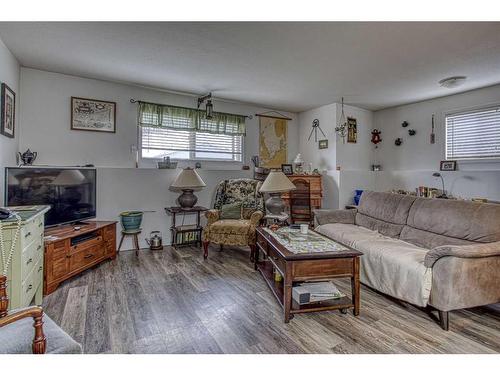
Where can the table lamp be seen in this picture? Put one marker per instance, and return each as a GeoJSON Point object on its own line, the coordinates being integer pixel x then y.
{"type": "Point", "coordinates": [275, 184]}
{"type": "Point", "coordinates": [186, 181]}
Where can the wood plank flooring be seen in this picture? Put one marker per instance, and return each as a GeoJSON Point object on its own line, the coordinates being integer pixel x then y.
{"type": "Point", "coordinates": [172, 301]}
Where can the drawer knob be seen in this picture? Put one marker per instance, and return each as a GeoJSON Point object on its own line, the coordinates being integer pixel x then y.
{"type": "Point", "coordinates": [29, 261]}
{"type": "Point", "coordinates": [40, 224]}
{"type": "Point", "coordinates": [29, 288]}
{"type": "Point", "coordinates": [88, 256]}
{"type": "Point", "coordinates": [40, 268]}
{"type": "Point", "coordinates": [27, 235]}
{"type": "Point", "coordinates": [39, 247]}
{"type": "Point", "coordinates": [68, 256]}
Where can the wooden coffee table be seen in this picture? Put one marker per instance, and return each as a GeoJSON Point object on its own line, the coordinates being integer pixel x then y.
{"type": "Point", "coordinates": [306, 266]}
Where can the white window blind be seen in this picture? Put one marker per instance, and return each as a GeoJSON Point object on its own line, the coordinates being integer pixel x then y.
{"type": "Point", "coordinates": [159, 142]}
{"type": "Point", "coordinates": [473, 134]}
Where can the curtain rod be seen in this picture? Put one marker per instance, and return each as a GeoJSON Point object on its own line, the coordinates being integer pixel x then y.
{"type": "Point", "coordinates": [196, 109]}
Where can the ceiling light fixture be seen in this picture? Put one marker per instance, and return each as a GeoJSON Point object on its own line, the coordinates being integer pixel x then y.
{"type": "Point", "coordinates": [209, 108]}
{"type": "Point", "coordinates": [452, 82]}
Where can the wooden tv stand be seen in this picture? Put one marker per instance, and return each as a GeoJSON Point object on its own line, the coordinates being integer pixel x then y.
{"type": "Point", "coordinates": [74, 250]}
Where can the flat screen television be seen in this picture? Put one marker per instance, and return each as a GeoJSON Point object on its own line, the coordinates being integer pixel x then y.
{"type": "Point", "coordinates": [71, 192]}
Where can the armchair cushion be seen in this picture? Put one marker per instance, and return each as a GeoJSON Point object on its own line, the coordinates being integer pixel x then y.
{"type": "Point", "coordinates": [17, 338]}
{"type": "Point", "coordinates": [464, 251]}
{"type": "Point", "coordinates": [231, 211]}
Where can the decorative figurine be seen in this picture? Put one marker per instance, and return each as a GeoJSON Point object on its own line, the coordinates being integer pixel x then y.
{"type": "Point", "coordinates": [28, 157]}
{"type": "Point", "coordinates": [376, 137]}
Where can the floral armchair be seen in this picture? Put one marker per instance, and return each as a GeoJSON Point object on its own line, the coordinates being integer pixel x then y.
{"type": "Point", "coordinates": [237, 232]}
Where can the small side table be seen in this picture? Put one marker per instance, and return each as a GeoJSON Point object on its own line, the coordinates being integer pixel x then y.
{"type": "Point", "coordinates": [184, 235]}
{"type": "Point", "coordinates": [134, 233]}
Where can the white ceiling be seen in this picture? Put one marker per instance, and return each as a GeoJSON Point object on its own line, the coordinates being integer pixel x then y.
{"type": "Point", "coordinates": [290, 66]}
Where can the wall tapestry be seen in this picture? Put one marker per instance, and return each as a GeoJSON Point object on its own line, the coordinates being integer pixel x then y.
{"type": "Point", "coordinates": [352, 130]}
{"type": "Point", "coordinates": [93, 115]}
{"type": "Point", "coordinates": [8, 106]}
{"type": "Point", "coordinates": [273, 142]}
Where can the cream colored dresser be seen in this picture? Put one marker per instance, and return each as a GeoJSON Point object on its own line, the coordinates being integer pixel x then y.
{"type": "Point", "coordinates": [25, 276]}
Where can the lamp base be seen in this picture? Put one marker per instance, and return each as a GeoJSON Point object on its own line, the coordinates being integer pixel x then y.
{"type": "Point", "coordinates": [274, 204]}
{"type": "Point", "coordinates": [187, 199]}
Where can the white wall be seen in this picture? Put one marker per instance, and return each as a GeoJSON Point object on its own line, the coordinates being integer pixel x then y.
{"type": "Point", "coordinates": [412, 163]}
{"type": "Point", "coordinates": [9, 74]}
{"type": "Point", "coordinates": [121, 189]}
{"type": "Point", "coordinates": [353, 159]}
{"type": "Point", "coordinates": [45, 115]}
{"type": "Point", "coordinates": [325, 159]}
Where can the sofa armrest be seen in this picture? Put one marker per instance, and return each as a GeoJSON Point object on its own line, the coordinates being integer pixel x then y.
{"type": "Point", "coordinates": [461, 283]}
{"type": "Point", "coordinates": [334, 216]}
{"type": "Point", "coordinates": [212, 216]}
{"type": "Point", "coordinates": [255, 217]}
{"type": "Point", "coordinates": [481, 250]}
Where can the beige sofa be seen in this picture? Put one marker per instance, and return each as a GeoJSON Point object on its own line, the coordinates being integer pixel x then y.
{"type": "Point", "coordinates": [435, 253]}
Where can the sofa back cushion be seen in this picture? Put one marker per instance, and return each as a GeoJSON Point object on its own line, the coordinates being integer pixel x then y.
{"type": "Point", "coordinates": [437, 222]}
{"type": "Point", "coordinates": [384, 212]}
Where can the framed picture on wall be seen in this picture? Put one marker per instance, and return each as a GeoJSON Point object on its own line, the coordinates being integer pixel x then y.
{"type": "Point", "coordinates": [448, 165]}
{"type": "Point", "coordinates": [322, 144]}
{"type": "Point", "coordinates": [93, 115]}
{"type": "Point", "coordinates": [352, 130]}
{"type": "Point", "coordinates": [8, 115]}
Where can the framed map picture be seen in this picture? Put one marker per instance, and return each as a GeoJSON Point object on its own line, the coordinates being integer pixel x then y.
{"type": "Point", "coordinates": [93, 115]}
{"type": "Point", "coordinates": [272, 142]}
{"type": "Point", "coordinates": [8, 116]}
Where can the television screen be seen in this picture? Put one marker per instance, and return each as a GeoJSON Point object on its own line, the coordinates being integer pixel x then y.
{"type": "Point", "coordinates": [71, 192]}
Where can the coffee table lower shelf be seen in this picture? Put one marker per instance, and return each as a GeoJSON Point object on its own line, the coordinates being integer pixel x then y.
{"type": "Point", "coordinates": [266, 270]}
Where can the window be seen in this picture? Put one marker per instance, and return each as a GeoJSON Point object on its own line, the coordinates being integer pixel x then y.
{"type": "Point", "coordinates": [159, 142]}
{"type": "Point", "coordinates": [185, 133]}
{"type": "Point", "coordinates": [473, 134]}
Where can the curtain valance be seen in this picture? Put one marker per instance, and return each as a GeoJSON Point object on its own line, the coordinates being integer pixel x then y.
{"type": "Point", "coordinates": [181, 118]}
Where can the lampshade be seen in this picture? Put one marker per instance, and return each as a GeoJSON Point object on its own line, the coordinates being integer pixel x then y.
{"type": "Point", "coordinates": [69, 177]}
{"type": "Point", "coordinates": [277, 182]}
{"type": "Point", "coordinates": [188, 179]}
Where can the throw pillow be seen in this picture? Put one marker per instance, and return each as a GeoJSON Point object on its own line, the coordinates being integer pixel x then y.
{"type": "Point", "coordinates": [231, 211]}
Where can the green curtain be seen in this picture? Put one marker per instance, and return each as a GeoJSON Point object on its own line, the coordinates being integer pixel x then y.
{"type": "Point", "coordinates": [180, 118]}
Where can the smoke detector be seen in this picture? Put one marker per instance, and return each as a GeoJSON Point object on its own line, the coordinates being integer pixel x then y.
{"type": "Point", "coordinates": [452, 82]}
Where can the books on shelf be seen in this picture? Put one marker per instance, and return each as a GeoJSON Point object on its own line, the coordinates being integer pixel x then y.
{"type": "Point", "coordinates": [315, 292]}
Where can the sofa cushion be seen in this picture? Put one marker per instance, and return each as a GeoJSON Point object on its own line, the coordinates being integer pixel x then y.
{"type": "Point", "coordinates": [389, 265]}
{"type": "Point", "coordinates": [347, 234]}
{"type": "Point", "coordinates": [389, 207]}
{"type": "Point", "coordinates": [429, 240]}
{"type": "Point", "coordinates": [17, 338]}
{"type": "Point", "coordinates": [384, 212]}
{"type": "Point", "coordinates": [383, 227]}
{"type": "Point", "coordinates": [465, 220]}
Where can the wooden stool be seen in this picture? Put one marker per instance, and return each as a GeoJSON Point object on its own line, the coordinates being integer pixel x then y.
{"type": "Point", "coordinates": [134, 234]}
